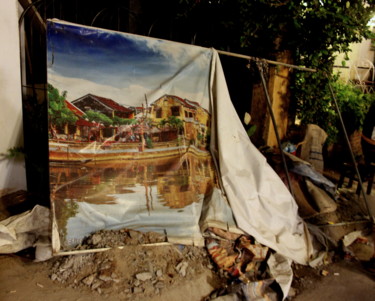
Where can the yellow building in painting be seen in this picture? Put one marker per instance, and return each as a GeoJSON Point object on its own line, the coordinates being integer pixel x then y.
{"type": "Point", "coordinates": [195, 119]}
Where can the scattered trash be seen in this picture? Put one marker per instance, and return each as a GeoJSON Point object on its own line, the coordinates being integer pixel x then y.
{"type": "Point", "coordinates": [324, 272]}
{"type": "Point", "coordinates": [351, 237]}
{"type": "Point", "coordinates": [21, 231]}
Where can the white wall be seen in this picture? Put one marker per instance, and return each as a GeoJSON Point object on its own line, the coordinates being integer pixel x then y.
{"type": "Point", "coordinates": [12, 172]}
{"type": "Point", "coordinates": [361, 55]}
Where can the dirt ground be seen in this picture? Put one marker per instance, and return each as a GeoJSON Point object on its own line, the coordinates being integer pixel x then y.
{"type": "Point", "coordinates": [346, 280]}
{"type": "Point", "coordinates": [175, 272]}
{"type": "Point", "coordinates": [131, 273]}
{"type": "Point", "coordinates": [156, 273]}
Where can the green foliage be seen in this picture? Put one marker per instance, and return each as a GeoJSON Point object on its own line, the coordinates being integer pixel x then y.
{"type": "Point", "coordinates": [58, 112]}
{"type": "Point", "coordinates": [312, 31]}
{"type": "Point", "coordinates": [251, 130]}
{"type": "Point", "coordinates": [173, 121]}
{"type": "Point", "coordinates": [14, 152]}
{"type": "Point", "coordinates": [122, 121]}
{"type": "Point", "coordinates": [149, 143]}
{"type": "Point", "coordinates": [352, 103]}
{"type": "Point", "coordinates": [98, 118]}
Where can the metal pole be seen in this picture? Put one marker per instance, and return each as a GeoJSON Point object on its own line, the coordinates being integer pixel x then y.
{"type": "Point", "coordinates": [350, 150]}
{"type": "Point", "coordinates": [242, 56]}
{"type": "Point", "coordinates": [260, 65]}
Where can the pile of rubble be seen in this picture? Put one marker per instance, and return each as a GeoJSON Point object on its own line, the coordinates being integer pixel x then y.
{"type": "Point", "coordinates": [132, 270]}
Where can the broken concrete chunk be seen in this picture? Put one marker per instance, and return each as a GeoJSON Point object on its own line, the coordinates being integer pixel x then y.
{"type": "Point", "coordinates": [89, 279]}
{"type": "Point", "coordinates": [96, 284]}
{"type": "Point", "coordinates": [105, 278]}
{"type": "Point", "coordinates": [181, 268]}
{"type": "Point", "coordinates": [159, 284]}
{"type": "Point", "coordinates": [96, 238]}
{"type": "Point", "coordinates": [144, 276]}
{"type": "Point", "coordinates": [137, 290]}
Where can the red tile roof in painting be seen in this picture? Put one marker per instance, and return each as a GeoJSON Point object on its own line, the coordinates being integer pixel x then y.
{"type": "Point", "coordinates": [112, 104]}
{"type": "Point", "coordinates": [185, 102]}
{"type": "Point", "coordinates": [74, 109]}
{"type": "Point", "coordinates": [79, 113]}
{"type": "Point", "coordinates": [83, 122]}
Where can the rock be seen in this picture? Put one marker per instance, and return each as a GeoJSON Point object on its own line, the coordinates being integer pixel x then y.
{"type": "Point", "coordinates": [181, 268]}
{"type": "Point", "coordinates": [149, 290]}
{"type": "Point", "coordinates": [136, 236]}
{"type": "Point", "coordinates": [105, 278]}
{"type": "Point", "coordinates": [292, 293]}
{"type": "Point", "coordinates": [137, 290]}
{"type": "Point", "coordinates": [89, 279]}
{"type": "Point", "coordinates": [67, 264]}
{"type": "Point", "coordinates": [96, 238]}
{"type": "Point", "coordinates": [53, 277]}
{"type": "Point", "coordinates": [159, 273]}
{"type": "Point", "coordinates": [159, 284]}
{"type": "Point", "coordinates": [96, 284]}
{"type": "Point", "coordinates": [137, 282]}
{"type": "Point", "coordinates": [144, 276]}
{"type": "Point", "coordinates": [105, 265]}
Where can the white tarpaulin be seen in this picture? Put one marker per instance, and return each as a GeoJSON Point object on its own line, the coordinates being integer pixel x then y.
{"type": "Point", "coordinates": [261, 204]}
{"type": "Point", "coordinates": [143, 120]}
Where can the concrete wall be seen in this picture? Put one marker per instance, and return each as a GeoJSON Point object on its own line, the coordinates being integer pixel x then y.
{"type": "Point", "coordinates": [12, 171]}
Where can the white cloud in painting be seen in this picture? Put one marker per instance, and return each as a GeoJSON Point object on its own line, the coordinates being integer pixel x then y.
{"type": "Point", "coordinates": [176, 52]}
{"type": "Point", "coordinates": [133, 95]}
{"type": "Point", "coordinates": [78, 87]}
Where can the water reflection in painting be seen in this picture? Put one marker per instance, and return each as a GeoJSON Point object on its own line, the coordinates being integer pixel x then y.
{"type": "Point", "coordinates": [164, 195]}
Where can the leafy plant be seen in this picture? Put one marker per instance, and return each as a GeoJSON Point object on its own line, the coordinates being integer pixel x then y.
{"type": "Point", "coordinates": [59, 114]}
{"type": "Point", "coordinates": [352, 103]}
{"type": "Point", "coordinates": [311, 31]}
{"type": "Point", "coordinates": [14, 152]}
{"type": "Point", "coordinates": [250, 128]}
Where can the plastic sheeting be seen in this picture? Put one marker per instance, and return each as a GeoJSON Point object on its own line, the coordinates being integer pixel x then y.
{"type": "Point", "coordinates": [151, 176]}
{"type": "Point", "coordinates": [22, 231]}
{"type": "Point", "coordinates": [261, 204]}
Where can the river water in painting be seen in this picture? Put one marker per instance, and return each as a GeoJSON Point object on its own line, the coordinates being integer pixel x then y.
{"type": "Point", "coordinates": [164, 195]}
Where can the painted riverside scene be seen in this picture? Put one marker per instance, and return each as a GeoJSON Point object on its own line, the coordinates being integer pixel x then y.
{"type": "Point", "coordinates": [108, 161]}
{"type": "Point", "coordinates": [94, 128]}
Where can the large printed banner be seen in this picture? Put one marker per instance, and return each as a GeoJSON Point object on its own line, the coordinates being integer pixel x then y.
{"type": "Point", "coordinates": [129, 132]}
{"type": "Point", "coordinates": [143, 136]}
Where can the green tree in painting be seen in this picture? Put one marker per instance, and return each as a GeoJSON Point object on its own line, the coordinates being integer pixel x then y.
{"type": "Point", "coordinates": [98, 118]}
{"type": "Point", "coordinates": [58, 112]}
{"type": "Point", "coordinates": [172, 121]}
{"type": "Point", "coordinates": [122, 121]}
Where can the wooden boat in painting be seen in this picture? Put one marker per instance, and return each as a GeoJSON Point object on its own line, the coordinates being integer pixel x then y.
{"type": "Point", "coordinates": [84, 152]}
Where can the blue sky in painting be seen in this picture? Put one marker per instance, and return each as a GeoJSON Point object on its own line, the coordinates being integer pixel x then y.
{"type": "Point", "coordinates": [124, 67]}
